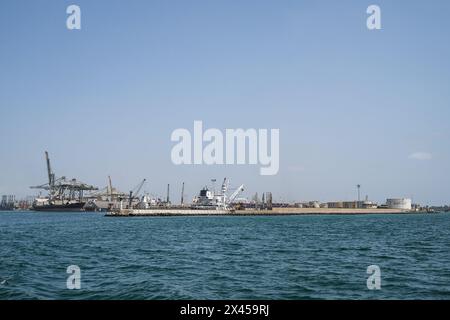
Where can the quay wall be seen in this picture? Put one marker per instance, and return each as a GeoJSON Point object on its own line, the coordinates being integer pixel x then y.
{"type": "Point", "coordinates": [252, 212]}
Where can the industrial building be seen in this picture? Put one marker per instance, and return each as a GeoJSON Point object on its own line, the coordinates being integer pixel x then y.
{"type": "Point", "coordinates": [366, 204]}
{"type": "Point", "coordinates": [335, 205]}
{"type": "Point", "coordinates": [309, 204]}
{"type": "Point", "coordinates": [399, 203]}
{"type": "Point", "coordinates": [8, 202]}
{"type": "Point", "coordinates": [351, 204]}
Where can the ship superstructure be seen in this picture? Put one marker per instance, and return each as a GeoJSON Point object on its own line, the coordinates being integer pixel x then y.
{"type": "Point", "coordinates": [211, 199]}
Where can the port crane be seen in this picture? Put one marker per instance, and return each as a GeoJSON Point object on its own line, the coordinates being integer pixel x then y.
{"type": "Point", "coordinates": [225, 188]}
{"type": "Point", "coordinates": [225, 185]}
{"type": "Point", "coordinates": [223, 199]}
{"type": "Point", "coordinates": [236, 193]}
{"type": "Point", "coordinates": [135, 192]}
{"type": "Point", "coordinates": [110, 189]}
{"type": "Point", "coordinates": [61, 188]}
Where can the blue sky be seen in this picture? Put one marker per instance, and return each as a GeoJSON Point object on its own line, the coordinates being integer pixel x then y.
{"type": "Point", "coordinates": [352, 105]}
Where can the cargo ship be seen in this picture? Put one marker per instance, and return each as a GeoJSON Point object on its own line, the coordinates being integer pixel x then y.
{"type": "Point", "coordinates": [45, 204]}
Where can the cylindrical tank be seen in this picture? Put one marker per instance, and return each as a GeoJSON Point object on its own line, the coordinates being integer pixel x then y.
{"type": "Point", "coordinates": [402, 203]}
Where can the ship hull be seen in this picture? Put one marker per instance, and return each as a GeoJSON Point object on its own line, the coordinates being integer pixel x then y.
{"type": "Point", "coordinates": [71, 207]}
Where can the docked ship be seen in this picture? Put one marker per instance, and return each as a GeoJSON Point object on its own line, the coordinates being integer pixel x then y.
{"type": "Point", "coordinates": [45, 204]}
{"type": "Point", "coordinates": [63, 194]}
{"type": "Point", "coordinates": [208, 202]}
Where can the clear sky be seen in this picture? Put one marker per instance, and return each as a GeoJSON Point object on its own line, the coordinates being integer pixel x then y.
{"type": "Point", "coordinates": [352, 105]}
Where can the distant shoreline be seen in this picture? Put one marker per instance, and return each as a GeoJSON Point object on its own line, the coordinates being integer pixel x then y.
{"type": "Point", "coordinates": [253, 212]}
{"type": "Point", "coordinates": [336, 211]}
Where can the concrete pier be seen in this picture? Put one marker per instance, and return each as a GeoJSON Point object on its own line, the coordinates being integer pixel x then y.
{"type": "Point", "coordinates": [251, 212]}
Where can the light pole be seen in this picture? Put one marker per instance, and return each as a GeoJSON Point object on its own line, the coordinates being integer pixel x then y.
{"type": "Point", "coordinates": [359, 195]}
{"type": "Point", "coordinates": [213, 182]}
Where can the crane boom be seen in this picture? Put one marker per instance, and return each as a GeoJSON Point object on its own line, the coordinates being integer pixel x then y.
{"type": "Point", "coordinates": [110, 189]}
{"type": "Point", "coordinates": [136, 193]}
{"type": "Point", "coordinates": [236, 193]}
{"type": "Point", "coordinates": [51, 179]}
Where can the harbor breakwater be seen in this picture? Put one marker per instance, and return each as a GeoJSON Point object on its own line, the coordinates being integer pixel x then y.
{"type": "Point", "coordinates": [252, 212]}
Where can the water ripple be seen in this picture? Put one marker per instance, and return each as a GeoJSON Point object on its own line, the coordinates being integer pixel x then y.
{"type": "Point", "coordinates": [289, 257]}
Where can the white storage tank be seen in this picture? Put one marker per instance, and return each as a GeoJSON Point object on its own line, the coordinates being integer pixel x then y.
{"type": "Point", "coordinates": [400, 203]}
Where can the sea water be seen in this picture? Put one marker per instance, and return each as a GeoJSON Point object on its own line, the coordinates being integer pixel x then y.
{"type": "Point", "coordinates": [227, 257]}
